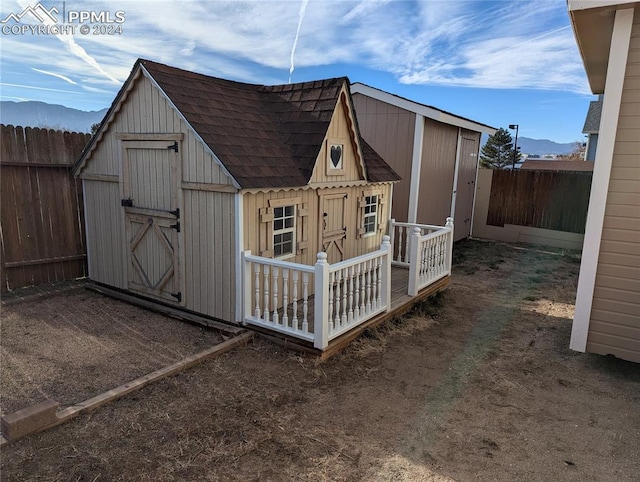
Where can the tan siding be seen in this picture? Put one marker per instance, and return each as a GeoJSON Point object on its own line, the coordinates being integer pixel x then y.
{"type": "Point", "coordinates": [339, 132]}
{"type": "Point", "coordinates": [436, 177]}
{"type": "Point", "coordinates": [630, 224]}
{"type": "Point", "coordinates": [390, 131]}
{"type": "Point", "coordinates": [209, 239]}
{"type": "Point", "coordinates": [621, 346]}
{"type": "Point", "coordinates": [628, 149]}
{"type": "Point", "coordinates": [207, 218]}
{"type": "Point", "coordinates": [105, 241]}
{"type": "Point", "coordinates": [616, 318]}
{"type": "Point", "coordinates": [145, 110]}
{"type": "Point", "coordinates": [615, 313]}
{"type": "Point", "coordinates": [629, 283]}
{"type": "Point", "coordinates": [258, 238]}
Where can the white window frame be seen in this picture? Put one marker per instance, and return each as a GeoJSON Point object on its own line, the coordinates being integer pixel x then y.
{"type": "Point", "coordinates": [284, 230]}
{"type": "Point", "coordinates": [371, 200]}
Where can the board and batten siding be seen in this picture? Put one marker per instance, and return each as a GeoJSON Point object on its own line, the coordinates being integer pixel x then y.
{"type": "Point", "coordinates": [210, 253]}
{"type": "Point", "coordinates": [390, 131]}
{"type": "Point", "coordinates": [257, 233]}
{"type": "Point", "coordinates": [614, 327]}
{"type": "Point", "coordinates": [105, 232]}
{"type": "Point", "coordinates": [339, 132]}
{"type": "Point", "coordinates": [308, 227]}
{"type": "Point", "coordinates": [207, 240]}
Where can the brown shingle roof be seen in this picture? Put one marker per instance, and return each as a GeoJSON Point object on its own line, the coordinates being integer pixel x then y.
{"type": "Point", "coordinates": [266, 136]}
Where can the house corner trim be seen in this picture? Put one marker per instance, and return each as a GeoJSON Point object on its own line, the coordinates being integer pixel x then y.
{"type": "Point", "coordinates": [620, 41]}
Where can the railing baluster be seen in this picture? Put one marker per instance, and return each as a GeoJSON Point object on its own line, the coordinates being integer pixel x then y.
{"type": "Point", "coordinates": [345, 286]}
{"type": "Point", "coordinates": [305, 302]}
{"type": "Point", "coordinates": [276, 315]}
{"type": "Point", "coordinates": [332, 279]}
{"type": "Point", "coordinates": [374, 284]}
{"type": "Point", "coordinates": [350, 314]}
{"type": "Point", "coordinates": [256, 270]}
{"type": "Point", "coordinates": [407, 238]}
{"type": "Point", "coordinates": [400, 238]}
{"type": "Point", "coordinates": [294, 321]}
{"type": "Point", "coordinates": [285, 297]}
{"type": "Point", "coordinates": [337, 323]}
{"type": "Point", "coordinates": [266, 292]}
{"type": "Point", "coordinates": [368, 275]}
{"type": "Point", "coordinates": [379, 277]}
{"type": "Point", "coordinates": [356, 311]}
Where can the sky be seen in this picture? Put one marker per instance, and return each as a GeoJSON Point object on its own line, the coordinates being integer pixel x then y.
{"type": "Point", "coordinates": [496, 62]}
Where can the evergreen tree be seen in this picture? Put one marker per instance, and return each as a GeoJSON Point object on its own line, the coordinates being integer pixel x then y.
{"type": "Point", "coordinates": [498, 152]}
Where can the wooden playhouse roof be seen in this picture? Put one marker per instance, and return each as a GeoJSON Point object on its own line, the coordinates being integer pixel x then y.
{"type": "Point", "coordinates": [265, 136]}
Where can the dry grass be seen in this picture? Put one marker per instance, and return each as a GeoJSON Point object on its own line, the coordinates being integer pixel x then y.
{"type": "Point", "coordinates": [479, 385]}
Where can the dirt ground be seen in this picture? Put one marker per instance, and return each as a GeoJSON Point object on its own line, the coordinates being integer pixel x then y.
{"type": "Point", "coordinates": [478, 384]}
{"type": "Point", "coordinates": [74, 345]}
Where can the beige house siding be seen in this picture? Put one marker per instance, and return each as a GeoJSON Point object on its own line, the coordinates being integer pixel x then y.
{"type": "Point", "coordinates": [145, 110]}
{"type": "Point", "coordinates": [615, 314]}
{"type": "Point", "coordinates": [210, 253]}
{"type": "Point", "coordinates": [390, 131]}
{"type": "Point", "coordinates": [436, 176]}
{"type": "Point", "coordinates": [309, 218]}
{"type": "Point", "coordinates": [207, 250]}
{"type": "Point", "coordinates": [105, 233]}
{"type": "Point", "coordinates": [341, 132]}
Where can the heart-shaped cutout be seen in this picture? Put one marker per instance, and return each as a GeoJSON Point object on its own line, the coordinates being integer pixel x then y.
{"type": "Point", "coordinates": [336, 155]}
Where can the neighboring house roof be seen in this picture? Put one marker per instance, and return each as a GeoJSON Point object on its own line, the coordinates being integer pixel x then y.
{"type": "Point", "coordinates": [557, 165]}
{"type": "Point", "coordinates": [592, 122]}
{"type": "Point", "coordinates": [422, 109]}
{"type": "Point", "coordinates": [265, 136]}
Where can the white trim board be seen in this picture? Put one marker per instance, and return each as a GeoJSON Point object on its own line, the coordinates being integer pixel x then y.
{"type": "Point", "coordinates": [423, 110]}
{"type": "Point", "coordinates": [620, 41]}
{"type": "Point", "coordinates": [416, 166]}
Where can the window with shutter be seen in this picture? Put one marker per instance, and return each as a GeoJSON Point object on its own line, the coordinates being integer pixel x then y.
{"type": "Point", "coordinates": [283, 233]}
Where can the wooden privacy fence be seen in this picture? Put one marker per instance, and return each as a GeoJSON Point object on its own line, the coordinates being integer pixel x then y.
{"type": "Point", "coordinates": [555, 200]}
{"type": "Point", "coordinates": [42, 219]}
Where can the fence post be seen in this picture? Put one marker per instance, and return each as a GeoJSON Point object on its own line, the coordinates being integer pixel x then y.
{"type": "Point", "coordinates": [321, 303]}
{"type": "Point", "coordinates": [414, 261]}
{"type": "Point", "coordinates": [246, 286]}
{"type": "Point", "coordinates": [449, 225]}
{"type": "Point", "coordinates": [386, 271]}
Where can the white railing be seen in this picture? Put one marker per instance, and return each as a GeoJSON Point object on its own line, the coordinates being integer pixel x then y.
{"type": "Point", "coordinates": [282, 296]}
{"type": "Point", "coordinates": [429, 257]}
{"type": "Point", "coordinates": [359, 289]}
{"type": "Point", "coordinates": [277, 295]}
{"type": "Point", "coordinates": [321, 302]}
{"type": "Point", "coordinates": [401, 238]}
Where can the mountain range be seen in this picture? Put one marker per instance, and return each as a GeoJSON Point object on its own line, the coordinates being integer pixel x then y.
{"type": "Point", "coordinates": [59, 117]}
{"type": "Point", "coordinates": [50, 116]}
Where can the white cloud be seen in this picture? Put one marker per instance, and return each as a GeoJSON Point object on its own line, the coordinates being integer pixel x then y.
{"type": "Point", "coordinates": [523, 44]}
{"type": "Point", "coordinates": [53, 74]}
{"type": "Point", "coordinates": [22, 86]}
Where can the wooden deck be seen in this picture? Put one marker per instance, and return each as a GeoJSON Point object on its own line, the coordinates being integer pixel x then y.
{"type": "Point", "coordinates": [401, 303]}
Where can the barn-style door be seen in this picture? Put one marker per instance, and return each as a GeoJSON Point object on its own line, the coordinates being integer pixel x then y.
{"type": "Point", "coordinates": [152, 217]}
{"type": "Point", "coordinates": [333, 228]}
